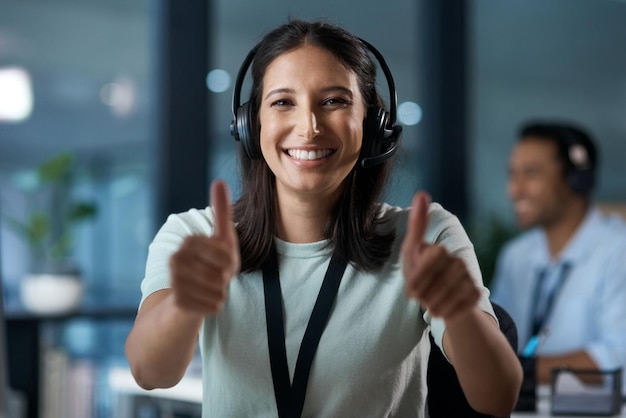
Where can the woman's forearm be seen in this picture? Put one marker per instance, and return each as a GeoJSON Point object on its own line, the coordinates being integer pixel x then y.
{"type": "Point", "coordinates": [488, 369]}
{"type": "Point", "coordinates": [162, 341]}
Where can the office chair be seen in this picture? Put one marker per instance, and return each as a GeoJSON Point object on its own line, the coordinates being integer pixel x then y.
{"type": "Point", "coordinates": [445, 396]}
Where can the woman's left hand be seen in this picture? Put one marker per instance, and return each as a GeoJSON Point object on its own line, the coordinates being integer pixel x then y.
{"type": "Point", "coordinates": [438, 280]}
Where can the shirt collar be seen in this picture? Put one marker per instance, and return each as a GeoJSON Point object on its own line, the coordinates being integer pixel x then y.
{"type": "Point", "coordinates": [576, 247]}
{"type": "Point", "coordinates": [587, 233]}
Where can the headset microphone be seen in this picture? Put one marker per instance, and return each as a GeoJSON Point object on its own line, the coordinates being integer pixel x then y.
{"type": "Point", "coordinates": [380, 132]}
{"type": "Point", "coordinates": [394, 136]}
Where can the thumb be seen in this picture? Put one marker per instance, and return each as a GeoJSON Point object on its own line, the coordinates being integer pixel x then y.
{"type": "Point", "coordinates": [223, 211]}
{"type": "Point", "coordinates": [418, 219]}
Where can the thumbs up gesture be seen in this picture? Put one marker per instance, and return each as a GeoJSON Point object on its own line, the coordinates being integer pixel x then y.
{"type": "Point", "coordinates": [203, 266]}
{"type": "Point", "coordinates": [438, 280]}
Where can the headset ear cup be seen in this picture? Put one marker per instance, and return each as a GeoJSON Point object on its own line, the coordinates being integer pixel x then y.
{"type": "Point", "coordinates": [581, 181]}
{"type": "Point", "coordinates": [374, 132]}
{"type": "Point", "coordinates": [245, 132]}
{"type": "Point", "coordinates": [580, 171]}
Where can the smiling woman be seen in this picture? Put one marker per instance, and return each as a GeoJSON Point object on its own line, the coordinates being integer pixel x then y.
{"type": "Point", "coordinates": [326, 97]}
{"type": "Point", "coordinates": [311, 131]}
{"type": "Point", "coordinates": [308, 295]}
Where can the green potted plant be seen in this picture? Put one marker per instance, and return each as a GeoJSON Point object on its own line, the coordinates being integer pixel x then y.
{"type": "Point", "coordinates": [489, 236]}
{"type": "Point", "coordinates": [53, 283]}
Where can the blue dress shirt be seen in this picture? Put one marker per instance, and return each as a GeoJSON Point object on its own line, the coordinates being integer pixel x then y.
{"type": "Point", "coordinates": [589, 308]}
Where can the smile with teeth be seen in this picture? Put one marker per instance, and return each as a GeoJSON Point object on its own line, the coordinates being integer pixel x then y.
{"type": "Point", "coordinates": [309, 155]}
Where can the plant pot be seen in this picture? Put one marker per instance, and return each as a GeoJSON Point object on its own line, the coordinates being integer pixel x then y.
{"type": "Point", "coordinates": [51, 293]}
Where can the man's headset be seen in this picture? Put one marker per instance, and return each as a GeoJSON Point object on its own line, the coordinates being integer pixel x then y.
{"type": "Point", "coordinates": [580, 170]}
{"type": "Point", "coordinates": [380, 133]}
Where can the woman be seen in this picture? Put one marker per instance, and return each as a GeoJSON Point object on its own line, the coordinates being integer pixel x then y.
{"type": "Point", "coordinates": [248, 292]}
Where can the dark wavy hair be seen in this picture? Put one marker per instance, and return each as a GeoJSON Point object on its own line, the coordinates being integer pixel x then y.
{"type": "Point", "coordinates": [352, 227]}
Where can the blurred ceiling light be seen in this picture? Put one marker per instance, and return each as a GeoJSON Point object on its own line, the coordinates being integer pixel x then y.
{"type": "Point", "coordinates": [218, 81]}
{"type": "Point", "coordinates": [120, 95]}
{"type": "Point", "coordinates": [16, 94]}
{"type": "Point", "coordinates": [409, 113]}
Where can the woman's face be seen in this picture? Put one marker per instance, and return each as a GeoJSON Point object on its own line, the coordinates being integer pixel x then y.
{"type": "Point", "coordinates": [311, 118]}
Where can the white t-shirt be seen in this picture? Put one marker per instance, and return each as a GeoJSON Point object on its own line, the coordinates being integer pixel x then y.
{"type": "Point", "coordinates": [372, 356]}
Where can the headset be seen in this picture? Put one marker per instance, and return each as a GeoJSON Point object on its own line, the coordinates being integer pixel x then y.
{"type": "Point", "coordinates": [581, 169]}
{"type": "Point", "coordinates": [380, 132]}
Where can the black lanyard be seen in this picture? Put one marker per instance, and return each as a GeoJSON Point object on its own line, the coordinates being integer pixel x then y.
{"type": "Point", "coordinates": [538, 320]}
{"type": "Point", "coordinates": [290, 398]}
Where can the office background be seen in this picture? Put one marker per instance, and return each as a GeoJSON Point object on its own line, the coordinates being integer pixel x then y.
{"type": "Point", "coordinates": [130, 88]}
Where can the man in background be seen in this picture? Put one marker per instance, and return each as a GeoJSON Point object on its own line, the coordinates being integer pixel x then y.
{"type": "Point", "coordinates": [564, 279]}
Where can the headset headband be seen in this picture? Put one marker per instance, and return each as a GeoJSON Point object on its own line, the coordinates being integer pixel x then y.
{"type": "Point", "coordinates": [393, 98]}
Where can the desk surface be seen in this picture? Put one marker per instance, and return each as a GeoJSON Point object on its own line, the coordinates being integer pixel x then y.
{"type": "Point", "coordinates": [543, 408]}
{"type": "Point", "coordinates": [543, 411]}
{"type": "Point", "coordinates": [190, 389]}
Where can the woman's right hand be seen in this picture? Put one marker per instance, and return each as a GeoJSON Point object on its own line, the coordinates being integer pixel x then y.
{"type": "Point", "coordinates": [203, 266]}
